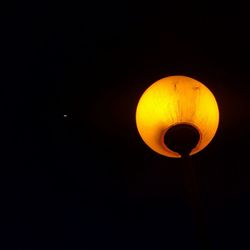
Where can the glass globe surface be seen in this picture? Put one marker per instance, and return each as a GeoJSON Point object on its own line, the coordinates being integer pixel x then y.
{"type": "Point", "coordinates": [176, 100]}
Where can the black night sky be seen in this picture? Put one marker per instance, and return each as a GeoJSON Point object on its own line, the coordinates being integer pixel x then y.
{"type": "Point", "coordinates": [86, 181]}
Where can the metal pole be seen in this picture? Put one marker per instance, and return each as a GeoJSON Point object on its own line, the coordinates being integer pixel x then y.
{"type": "Point", "coordinates": [193, 193]}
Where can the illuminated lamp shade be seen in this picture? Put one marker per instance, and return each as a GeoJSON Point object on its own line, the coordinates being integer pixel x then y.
{"type": "Point", "coordinates": [176, 100]}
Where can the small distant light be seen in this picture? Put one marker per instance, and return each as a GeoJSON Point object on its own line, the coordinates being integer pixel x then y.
{"type": "Point", "coordinates": [65, 116]}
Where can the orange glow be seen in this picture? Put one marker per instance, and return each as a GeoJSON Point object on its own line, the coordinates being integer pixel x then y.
{"type": "Point", "coordinates": [173, 100]}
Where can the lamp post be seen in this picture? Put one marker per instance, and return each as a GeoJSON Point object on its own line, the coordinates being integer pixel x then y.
{"type": "Point", "coordinates": [177, 117]}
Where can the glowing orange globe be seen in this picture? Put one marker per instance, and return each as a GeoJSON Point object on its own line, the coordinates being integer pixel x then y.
{"type": "Point", "coordinates": [176, 100]}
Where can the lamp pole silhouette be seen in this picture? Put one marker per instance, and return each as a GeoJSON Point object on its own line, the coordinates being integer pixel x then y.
{"type": "Point", "coordinates": [177, 117]}
{"type": "Point", "coordinates": [183, 138]}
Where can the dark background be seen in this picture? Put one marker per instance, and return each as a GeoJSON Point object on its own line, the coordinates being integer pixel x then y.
{"type": "Point", "coordinates": [87, 181]}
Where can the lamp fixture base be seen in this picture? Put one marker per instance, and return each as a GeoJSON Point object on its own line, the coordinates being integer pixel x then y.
{"type": "Point", "coordinates": [182, 138]}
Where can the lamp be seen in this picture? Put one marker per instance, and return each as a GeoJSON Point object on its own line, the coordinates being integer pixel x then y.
{"type": "Point", "coordinates": [178, 116]}
{"type": "Point", "coordinates": [174, 104]}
